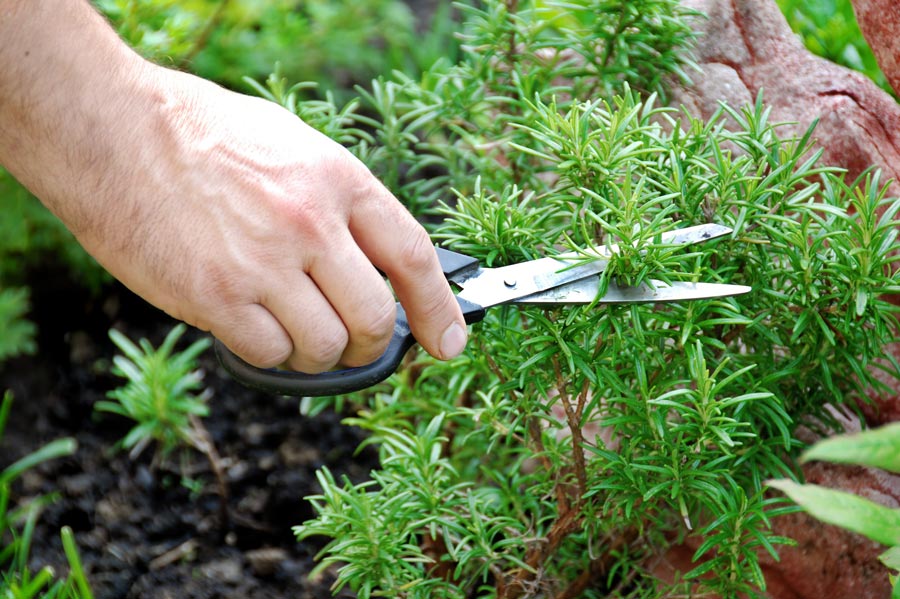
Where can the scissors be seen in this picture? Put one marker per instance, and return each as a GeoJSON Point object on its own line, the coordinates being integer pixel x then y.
{"type": "Point", "coordinates": [560, 280]}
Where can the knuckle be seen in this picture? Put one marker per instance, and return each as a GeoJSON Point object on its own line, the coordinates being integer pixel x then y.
{"type": "Point", "coordinates": [378, 326]}
{"type": "Point", "coordinates": [336, 169]}
{"type": "Point", "coordinates": [250, 332]}
{"type": "Point", "coordinates": [320, 198]}
{"type": "Point", "coordinates": [417, 252]}
{"type": "Point", "coordinates": [303, 216]}
{"type": "Point", "coordinates": [214, 283]}
{"type": "Point", "coordinates": [339, 162]}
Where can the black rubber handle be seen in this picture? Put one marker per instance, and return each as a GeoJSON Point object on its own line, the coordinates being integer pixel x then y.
{"type": "Point", "coordinates": [336, 382]}
{"type": "Point", "coordinates": [454, 264]}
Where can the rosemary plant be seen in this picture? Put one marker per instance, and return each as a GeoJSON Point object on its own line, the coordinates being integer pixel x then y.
{"type": "Point", "coordinates": [159, 393]}
{"type": "Point", "coordinates": [17, 336]}
{"type": "Point", "coordinates": [160, 396]}
{"type": "Point", "coordinates": [568, 448]}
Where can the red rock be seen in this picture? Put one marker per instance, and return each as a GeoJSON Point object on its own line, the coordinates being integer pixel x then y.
{"type": "Point", "coordinates": [879, 21]}
{"type": "Point", "coordinates": [746, 46]}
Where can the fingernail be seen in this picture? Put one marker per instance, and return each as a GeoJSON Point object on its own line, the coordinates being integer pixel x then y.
{"type": "Point", "coordinates": [453, 341]}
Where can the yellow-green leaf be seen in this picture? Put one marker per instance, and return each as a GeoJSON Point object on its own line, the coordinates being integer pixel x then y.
{"type": "Point", "coordinates": [879, 448]}
{"type": "Point", "coordinates": [877, 522]}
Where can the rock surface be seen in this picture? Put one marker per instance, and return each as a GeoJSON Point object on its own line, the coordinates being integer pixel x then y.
{"type": "Point", "coordinates": [879, 21]}
{"type": "Point", "coordinates": [746, 46]}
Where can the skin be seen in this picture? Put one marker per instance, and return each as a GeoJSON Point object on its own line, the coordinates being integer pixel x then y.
{"type": "Point", "coordinates": [226, 211]}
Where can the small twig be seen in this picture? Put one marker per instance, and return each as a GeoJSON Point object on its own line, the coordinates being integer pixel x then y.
{"type": "Point", "coordinates": [512, 7]}
{"type": "Point", "coordinates": [202, 441]}
{"type": "Point", "coordinates": [204, 36]}
{"type": "Point", "coordinates": [523, 580]}
{"type": "Point", "coordinates": [500, 583]}
{"type": "Point", "coordinates": [492, 364]}
{"type": "Point", "coordinates": [436, 549]}
{"type": "Point", "coordinates": [598, 568]}
{"type": "Point", "coordinates": [534, 432]}
{"type": "Point", "coordinates": [582, 399]}
{"type": "Point", "coordinates": [173, 555]}
{"type": "Point", "coordinates": [574, 421]}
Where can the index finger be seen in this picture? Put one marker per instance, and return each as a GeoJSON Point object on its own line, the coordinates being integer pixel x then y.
{"type": "Point", "coordinates": [400, 246]}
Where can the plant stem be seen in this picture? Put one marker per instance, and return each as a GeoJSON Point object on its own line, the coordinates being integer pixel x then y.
{"type": "Point", "coordinates": [202, 441]}
{"type": "Point", "coordinates": [573, 418]}
{"type": "Point", "coordinates": [204, 36]}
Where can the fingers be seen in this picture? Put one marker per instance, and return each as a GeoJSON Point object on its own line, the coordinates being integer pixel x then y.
{"type": "Point", "coordinates": [360, 298]}
{"type": "Point", "coordinates": [343, 315]}
{"type": "Point", "coordinates": [253, 333]}
{"type": "Point", "coordinates": [316, 332]}
{"type": "Point", "coordinates": [399, 246]}
{"type": "Point", "coordinates": [326, 303]}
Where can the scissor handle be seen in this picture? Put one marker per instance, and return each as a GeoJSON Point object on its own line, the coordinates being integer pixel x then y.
{"type": "Point", "coordinates": [338, 382]}
{"type": "Point", "coordinates": [335, 382]}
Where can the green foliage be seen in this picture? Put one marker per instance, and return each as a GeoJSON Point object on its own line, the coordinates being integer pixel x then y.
{"type": "Point", "coordinates": [28, 235]}
{"type": "Point", "coordinates": [165, 31]}
{"type": "Point", "coordinates": [159, 394]}
{"type": "Point", "coordinates": [829, 29]}
{"type": "Point", "coordinates": [17, 525]}
{"type": "Point", "coordinates": [876, 448]}
{"type": "Point", "coordinates": [325, 40]}
{"type": "Point", "coordinates": [16, 333]}
{"type": "Point", "coordinates": [568, 448]}
{"type": "Point", "coordinates": [864, 516]}
{"type": "Point", "coordinates": [424, 136]}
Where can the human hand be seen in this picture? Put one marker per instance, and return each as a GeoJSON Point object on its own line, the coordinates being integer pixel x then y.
{"type": "Point", "coordinates": [244, 221]}
{"type": "Point", "coordinates": [226, 211]}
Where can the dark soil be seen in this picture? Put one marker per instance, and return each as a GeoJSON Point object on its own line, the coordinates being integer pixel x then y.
{"type": "Point", "coordinates": [142, 534]}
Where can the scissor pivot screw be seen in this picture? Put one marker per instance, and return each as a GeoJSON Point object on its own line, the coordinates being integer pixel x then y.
{"type": "Point", "coordinates": [509, 283]}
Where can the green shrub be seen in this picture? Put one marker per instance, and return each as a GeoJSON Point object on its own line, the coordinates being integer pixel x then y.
{"type": "Point", "coordinates": [161, 396]}
{"type": "Point", "coordinates": [569, 448]}
{"type": "Point", "coordinates": [29, 234]}
{"type": "Point", "coordinates": [16, 333]}
{"type": "Point", "coordinates": [224, 40]}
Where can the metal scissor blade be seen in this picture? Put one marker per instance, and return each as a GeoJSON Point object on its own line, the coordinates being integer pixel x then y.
{"type": "Point", "coordinates": [685, 236]}
{"type": "Point", "coordinates": [585, 291]}
{"type": "Point", "coordinates": [488, 287]}
{"type": "Point", "coordinates": [494, 286]}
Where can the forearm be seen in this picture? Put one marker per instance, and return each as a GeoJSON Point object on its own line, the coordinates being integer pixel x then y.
{"type": "Point", "coordinates": [68, 86]}
{"type": "Point", "coordinates": [224, 210]}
